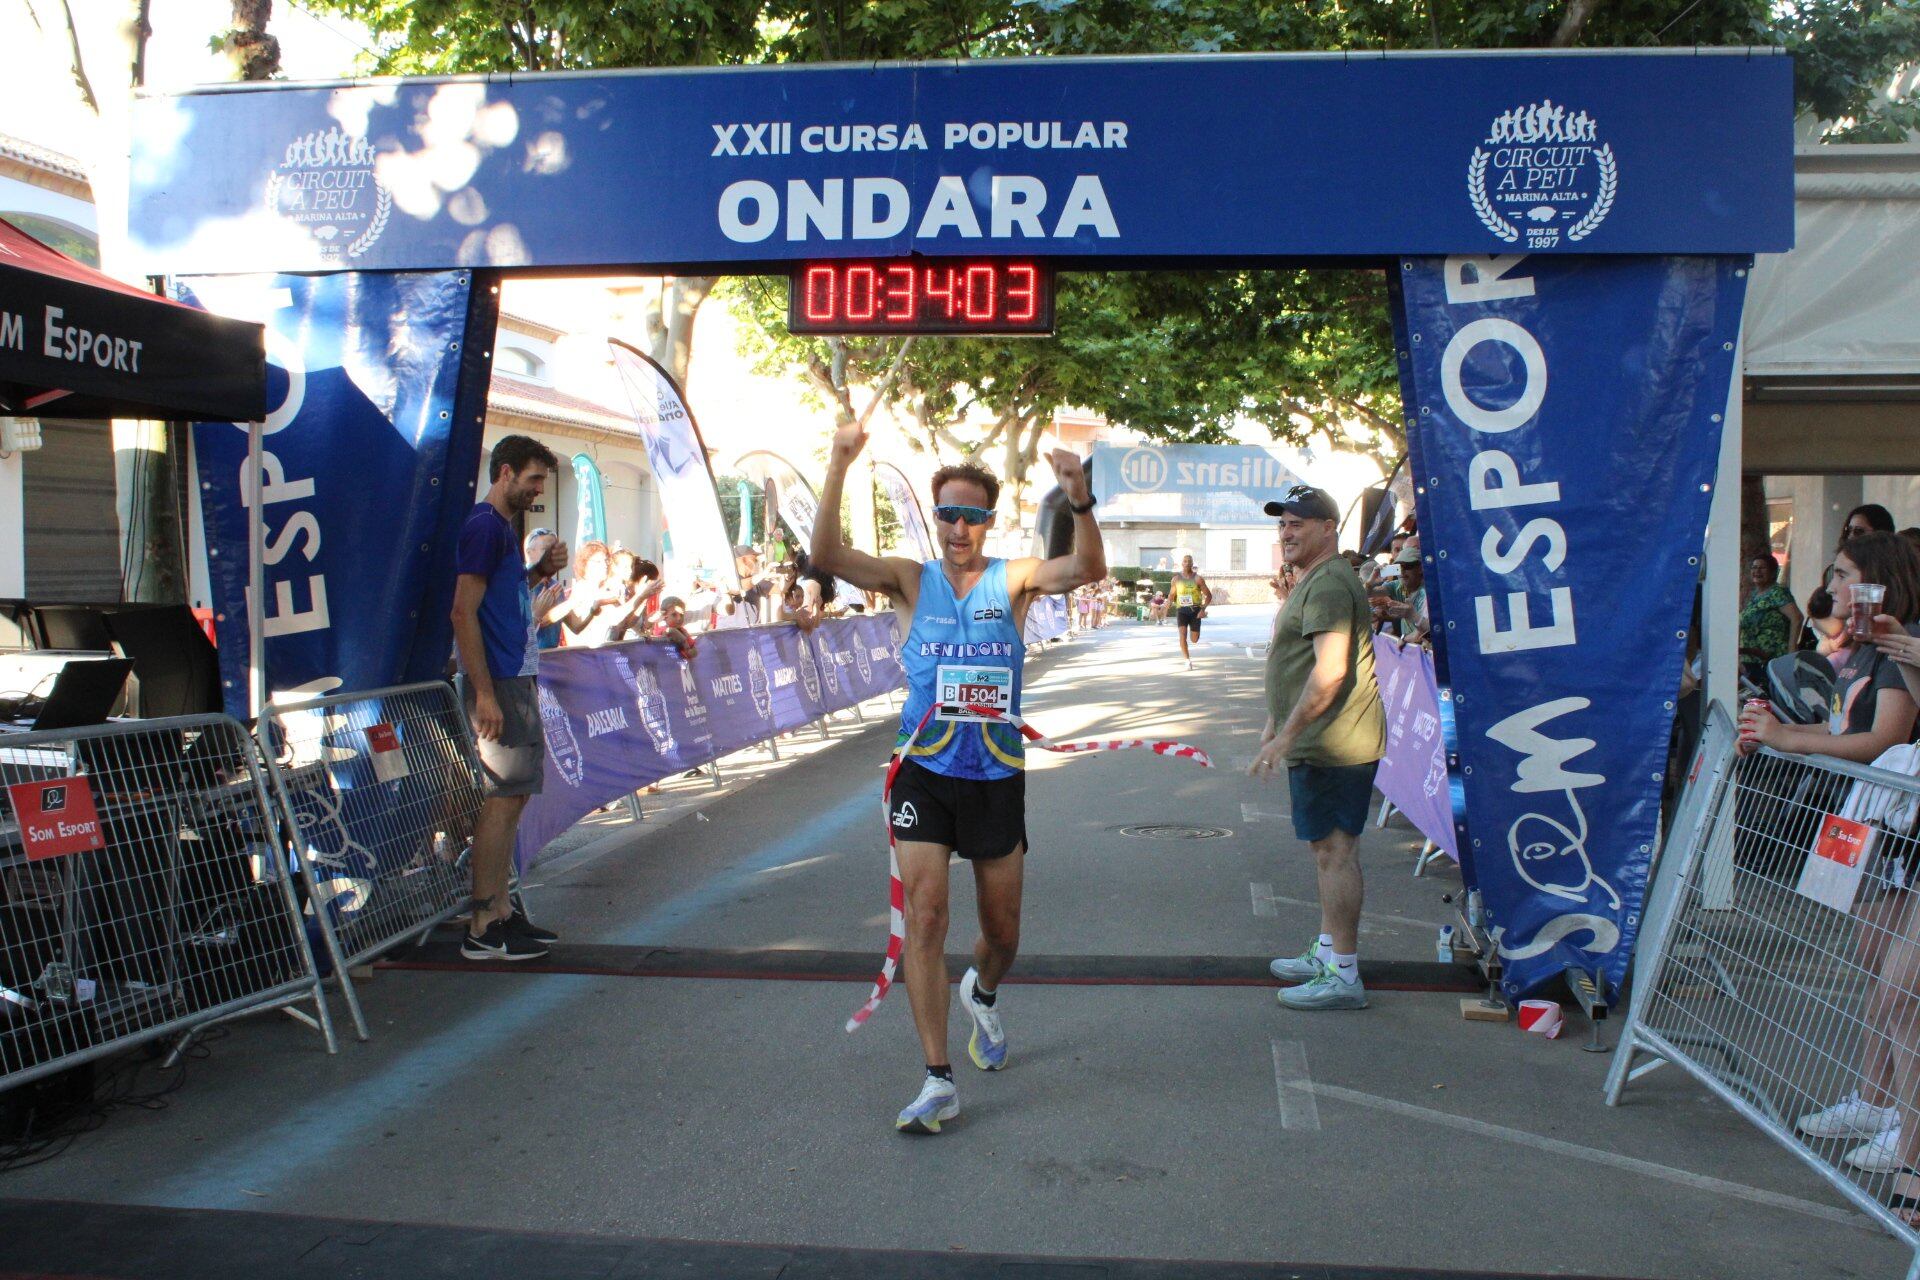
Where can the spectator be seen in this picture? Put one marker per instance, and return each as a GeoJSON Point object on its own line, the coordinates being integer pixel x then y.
{"type": "Point", "coordinates": [743, 608]}
{"type": "Point", "coordinates": [1912, 534]}
{"type": "Point", "coordinates": [495, 638]}
{"type": "Point", "coordinates": [671, 626]}
{"type": "Point", "coordinates": [1404, 606]}
{"type": "Point", "coordinates": [1889, 924]}
{"type": "Point", "coordinates": [1324, 721]}
{"type": "Point", "coordinates": [795, 608]}
{"type": "Point", "coordinates": [1868, 517]}
{"type": "Point", "coordinates": [1768, 619]}
{"type": "Point", "coordinates": [1873, 707]}
{"type": "Point", "coordinates": [1097, 597]}
{"type": "Point", "coordinates": [546, 557]}
{"type": "Point", "coordinates": [1083, 605]}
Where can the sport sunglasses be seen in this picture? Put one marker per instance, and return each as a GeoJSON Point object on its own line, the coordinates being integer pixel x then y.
{"type": "Point", "coordinates": [962, 515]}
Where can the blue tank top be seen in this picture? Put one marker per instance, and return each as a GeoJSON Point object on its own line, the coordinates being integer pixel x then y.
{"type": "Point", "coordinates": [975, 645]}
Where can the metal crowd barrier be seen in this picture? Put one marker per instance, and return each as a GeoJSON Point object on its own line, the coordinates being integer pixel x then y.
{"type": "Point", "coordinates": [1804, 990]}
{"type": "Point", "coordinates": [144, 892]}
{"type": "Point", "coordinates": [381, 791]}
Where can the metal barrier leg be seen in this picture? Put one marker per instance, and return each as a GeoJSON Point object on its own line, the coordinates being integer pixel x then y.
{"type": "Point", "coordinates": [634, 810]}
{"type": "Point", "coordinates": [1386, 811]}
{"type": "Point", "coordinates": [1429, 854]}
{"type": "Point", "coordinates": [713, 770]}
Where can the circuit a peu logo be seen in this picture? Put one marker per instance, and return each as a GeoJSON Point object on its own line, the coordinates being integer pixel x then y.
{"type": "Point", "coordinates": [1542, 174]}
{"type": "Point", "coordinates": [327, 184]}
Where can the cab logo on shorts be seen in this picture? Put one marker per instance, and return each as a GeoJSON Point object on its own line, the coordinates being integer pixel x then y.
{"type": "Point", "coordinates": [906, 815]}
{"type": "Point", "coordinates": [1542, 172]}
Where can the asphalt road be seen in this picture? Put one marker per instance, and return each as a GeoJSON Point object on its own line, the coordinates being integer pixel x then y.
{"type": "Point", "coordinates": [1150, 1111]}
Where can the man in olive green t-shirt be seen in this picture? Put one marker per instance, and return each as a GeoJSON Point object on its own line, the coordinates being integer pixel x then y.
{"type": "Point", "coordinates": [1325, 721]}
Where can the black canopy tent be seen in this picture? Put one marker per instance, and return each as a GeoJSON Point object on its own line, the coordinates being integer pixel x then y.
{"type": "Point", "coordinates": [76, 343]}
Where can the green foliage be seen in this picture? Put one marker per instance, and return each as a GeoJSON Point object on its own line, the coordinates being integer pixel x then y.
{"type": "Point", "coordinates": [1178, 356]}
{"type": "Point", "coordinates": [436, 37]}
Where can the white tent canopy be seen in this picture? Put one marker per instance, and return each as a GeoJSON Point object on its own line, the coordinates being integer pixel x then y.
{"type": "Point", "coordinates": [1832, 367]}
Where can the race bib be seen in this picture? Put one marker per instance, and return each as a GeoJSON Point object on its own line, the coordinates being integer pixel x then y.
{"type": "Point", "coordinates": [963, 691]}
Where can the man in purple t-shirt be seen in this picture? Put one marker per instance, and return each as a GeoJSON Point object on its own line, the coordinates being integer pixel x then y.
{"type": "Point", "coordinates": [498, 645]}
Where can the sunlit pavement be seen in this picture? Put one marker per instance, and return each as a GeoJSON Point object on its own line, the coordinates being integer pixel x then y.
{"type": "Point", "coordinates": [679, 1079]}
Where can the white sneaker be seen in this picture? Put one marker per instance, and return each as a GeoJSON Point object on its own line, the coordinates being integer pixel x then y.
{"type": "Point", "coordinates": [938, 1103]}
{"type": "Point", "coordinates": [1881, 1155]}
{"type": "Point", "coordinates": [1850, 1118]}
{"type": "Point", "coordinates": [988, 1044]}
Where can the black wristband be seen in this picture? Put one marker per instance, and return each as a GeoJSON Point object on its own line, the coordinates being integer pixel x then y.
{"type": "Point", "coordinates": [1080, 510]}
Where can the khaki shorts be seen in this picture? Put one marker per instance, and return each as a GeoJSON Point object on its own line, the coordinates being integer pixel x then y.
{"type": "Point", "coordinates": [516, 764]}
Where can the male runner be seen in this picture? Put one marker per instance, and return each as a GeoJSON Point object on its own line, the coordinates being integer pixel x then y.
{"type": "Point", "coordinates": [962, 788]}
{"type": "Point", "coordinates": [1191, 596]}
{"type": "Point", "coordinates": [1324, 720]}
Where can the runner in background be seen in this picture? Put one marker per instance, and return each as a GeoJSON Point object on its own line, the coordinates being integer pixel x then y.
{"type": "Point", "coordinates": [962, 787]}
{"type": "Point", "coordinates": [1191, 596]}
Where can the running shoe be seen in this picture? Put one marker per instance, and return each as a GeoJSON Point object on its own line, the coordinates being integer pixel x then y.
{"type": "Point", "coordinates": [988, 1044]}
{"type": "Point", "coordinates": [1304, 967]}
{"type": "Point", "coordinates": [938, 1103]}
{"type": "Point", "coordinates": [1850, 1118]}
{"type": "Point", "coordinates": [518, 923]}
{"type": "Point", "coordinates": [498, 943]}
{"type": "Point", "coordinates": [1326, 991]}
{"type": "Point", "coordinates": [1881, 1155]}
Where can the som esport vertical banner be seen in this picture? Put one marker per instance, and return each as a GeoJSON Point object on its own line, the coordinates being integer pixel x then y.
{"type": "Point", "coordinates": [376, 387]}
{"type": "Point", "coordinates": [696, 542]}
{"type": "Point", "coordinates": [1565, 426]}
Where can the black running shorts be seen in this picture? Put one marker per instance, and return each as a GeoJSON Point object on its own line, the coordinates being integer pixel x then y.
{"type": "Point", "coordinates": [1189, 617]}
{"type": "Point", "coordinates": [976, 818]}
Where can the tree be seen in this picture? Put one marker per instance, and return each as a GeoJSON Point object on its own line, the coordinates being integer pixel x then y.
{"type": "Point", "coordinates": [254, 50]}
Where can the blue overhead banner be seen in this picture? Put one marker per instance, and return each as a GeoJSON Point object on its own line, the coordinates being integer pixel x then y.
{"type": "Point", "coordinates": [371, 453]}
{"type": "Point", "coordinates": [1306, 155]}
{"type": "Point", "coordinates": [1198, 469]}
{"type": "Point", "coordinates": [1565, 426]}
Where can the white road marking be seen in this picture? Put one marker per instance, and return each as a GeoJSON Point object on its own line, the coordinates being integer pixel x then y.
{"type": "Point", "coordinates": [1294, 1086]}
{"type": "Point", "coordinates": [1554, 1146]}
{"type": "Point", "coordinates": [1264, 897]}
{"type": "Point", "coordinates": [1251, 813]}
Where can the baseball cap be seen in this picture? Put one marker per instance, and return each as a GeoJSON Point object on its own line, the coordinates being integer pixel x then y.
{"type": "Point", "coordinates": [1305, 501]}
{"type": "Point", "coordinates": [1408, 555]}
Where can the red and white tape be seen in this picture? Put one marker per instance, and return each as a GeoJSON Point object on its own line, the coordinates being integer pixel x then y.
{"type": "Point", "coordinates": [896, 891]}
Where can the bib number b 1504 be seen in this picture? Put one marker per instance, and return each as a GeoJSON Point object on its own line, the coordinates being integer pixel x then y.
{"type": "Point", "coordinates": [964, 692]}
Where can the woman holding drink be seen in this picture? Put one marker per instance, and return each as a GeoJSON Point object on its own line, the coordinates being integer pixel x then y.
{"type": "Point", "coordinates": [1876, 590]}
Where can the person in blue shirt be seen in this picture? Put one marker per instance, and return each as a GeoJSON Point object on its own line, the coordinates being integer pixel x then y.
{"type": "Point", "coordinates": [962, 788]}
{"type": "Point", "coordinates": [498, 646]}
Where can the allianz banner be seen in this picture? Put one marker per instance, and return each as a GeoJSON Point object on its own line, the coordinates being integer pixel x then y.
{"type": "Point", "coordinates": [1565, 426]}
{"type": "Point", "coordinates": [374, 393]}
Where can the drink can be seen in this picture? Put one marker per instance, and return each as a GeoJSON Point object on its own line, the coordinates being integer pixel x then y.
{"type": "Point", "coordinates": [1443, 946]}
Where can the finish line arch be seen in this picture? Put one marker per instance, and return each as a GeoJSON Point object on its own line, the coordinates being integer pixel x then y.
{"type": "Point", "coordinates": [1567, 237]}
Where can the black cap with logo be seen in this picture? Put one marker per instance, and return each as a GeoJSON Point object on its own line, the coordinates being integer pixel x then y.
{"type": "Point", "coordinates": [1305, 501]}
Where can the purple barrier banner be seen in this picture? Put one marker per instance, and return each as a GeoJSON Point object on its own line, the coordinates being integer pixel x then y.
{"type": "Point", "coordinates": [1046, 619]}
{"type": "Point", "coordinates": [625, 715]}
{"type": "Point", "coordinates": [1413, 773]}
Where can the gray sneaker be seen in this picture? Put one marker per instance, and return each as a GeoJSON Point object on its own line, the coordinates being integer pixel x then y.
{"type": "Point", "coordinates": [1326, 991]}
{"type": "Point", "coordinates": [1304, 967]}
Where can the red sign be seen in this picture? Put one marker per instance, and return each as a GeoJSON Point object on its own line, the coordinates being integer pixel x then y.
{"type": "Point", "coordinates": [56, 818]}
{"type": "Point", "coordinates": [1843, 841]}
{"type": "Point", "coordinates": [389, 762]}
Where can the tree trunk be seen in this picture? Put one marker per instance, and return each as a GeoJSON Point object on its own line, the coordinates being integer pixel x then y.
{"type": "Point", "coordinates": [670, 336]}
{"type": "Point", "coordinates": [255, 53]}
{"type": "Point", "coordinates": [1578, 11]}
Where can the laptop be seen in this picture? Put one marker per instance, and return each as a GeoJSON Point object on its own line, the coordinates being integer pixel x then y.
{"type": "Point", "coordinates": [83, 694]}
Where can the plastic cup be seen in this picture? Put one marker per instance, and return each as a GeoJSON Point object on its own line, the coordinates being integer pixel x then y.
{"type": "Point", "coordinates": [1867, 598]}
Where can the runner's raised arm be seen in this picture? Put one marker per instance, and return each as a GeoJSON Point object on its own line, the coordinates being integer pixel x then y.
{"type": "Point", "coordinates": [830, 553]}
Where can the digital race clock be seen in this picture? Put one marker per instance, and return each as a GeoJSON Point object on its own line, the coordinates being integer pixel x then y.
{"type": "Point", "coordinates": [921, 295]}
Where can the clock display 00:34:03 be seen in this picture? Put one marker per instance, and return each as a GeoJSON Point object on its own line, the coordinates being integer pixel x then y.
{"type": "Point", "coordinates": [924, 296]}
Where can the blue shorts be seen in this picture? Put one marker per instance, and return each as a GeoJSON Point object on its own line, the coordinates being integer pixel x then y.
{"type": "Point", "coordinates": [1328, 797]}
